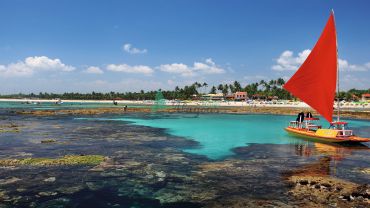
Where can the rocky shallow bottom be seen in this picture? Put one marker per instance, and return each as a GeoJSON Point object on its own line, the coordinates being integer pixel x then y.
{"type": "Point", "coordinates": [145, 167]}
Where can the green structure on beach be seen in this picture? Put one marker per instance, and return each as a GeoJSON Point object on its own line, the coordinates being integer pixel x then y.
{"type": "Point", "coordinates": [159, 102]}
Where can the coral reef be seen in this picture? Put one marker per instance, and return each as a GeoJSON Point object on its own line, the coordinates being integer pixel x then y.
{"type": "Point", "coordinates": [66, 160]}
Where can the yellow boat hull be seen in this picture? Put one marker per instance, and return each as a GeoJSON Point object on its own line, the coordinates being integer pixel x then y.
{"type": "Point", "coordinates": [313, 136]}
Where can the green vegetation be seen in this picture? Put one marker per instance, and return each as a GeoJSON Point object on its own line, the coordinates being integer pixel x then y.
{"type": "Point", "coordinates": [262, 88]}
{"type": "Point", "coordinates": [47, 141]}
{"type": "Point", "coordinates": [66, 160]}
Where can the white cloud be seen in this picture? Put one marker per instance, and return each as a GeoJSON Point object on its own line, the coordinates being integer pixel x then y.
{"type": "Point", "coordinates": [139, 69]}
{"type": "Point", "coordinates": [288, 62]}
{"type": "Point", "coordinates": [93, 70]}
{"type": "Point", "coordinates": [129, 49]}
{"type": "Point", "coordinates": [208, 67]}
{"type": "Point", "coordinates": [34, 64]}
{"type": "Point", "coordinates": [345, 66]}
{"type": "Point", "coordinates": [177, 68]}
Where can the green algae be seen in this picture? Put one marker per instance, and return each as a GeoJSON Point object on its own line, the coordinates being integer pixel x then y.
{"type": "Point", "coordinates": [66, 160]}
{"type": "Point", "coordinates": [47, 141]}
{"type": "Point", "coordinates": [9, 130]}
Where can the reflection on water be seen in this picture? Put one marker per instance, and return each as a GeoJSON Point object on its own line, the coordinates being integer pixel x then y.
{"type": "Point", "coordinates": [334, 159]}
{"type": "Point", "coordinates": [336, 152]}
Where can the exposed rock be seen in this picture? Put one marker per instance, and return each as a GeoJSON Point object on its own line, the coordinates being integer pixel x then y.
{"type": "Point", "coordinates": [321, 190]}
{"type": "Point", "coordinates": [47, 193]}
{"type": "Point", "coordinates": [51, 179]}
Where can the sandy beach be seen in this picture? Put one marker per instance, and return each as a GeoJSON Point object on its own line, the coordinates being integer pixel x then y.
{"type": "Point", "coordinates": [254, 103]}
{"type": "Point", "coordinates": [257, 107]}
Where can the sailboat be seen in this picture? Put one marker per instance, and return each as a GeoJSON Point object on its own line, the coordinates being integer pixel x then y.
{"type": "Point", "coordinates": [315, 83]}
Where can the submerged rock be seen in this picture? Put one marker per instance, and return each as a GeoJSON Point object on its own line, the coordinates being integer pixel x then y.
{"type": "Point", "coordinates": [70, 189]}
{"type": "Point", "coordinates": [9, 180]}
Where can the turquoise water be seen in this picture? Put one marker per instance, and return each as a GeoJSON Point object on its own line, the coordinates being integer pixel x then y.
{"type": "Point", "coordinates": [218, 134]}
{"type": "Point", "coordinates": [65, 105]}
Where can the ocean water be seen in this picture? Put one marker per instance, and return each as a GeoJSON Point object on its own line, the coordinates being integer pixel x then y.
{"type": "Point", "coordinates": [218, 134]}
{"type": "Point", "coordinates": [66, 105]}
{"type": "Point", "coordinates": [160, 160]}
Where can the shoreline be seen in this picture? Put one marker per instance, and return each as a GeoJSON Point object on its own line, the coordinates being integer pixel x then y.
{"type": "Point", "coordinates": [258, 107]}
{"type": "Point", "coordinates": [364, 115]}
{"type": "Point", "coordinates": [255, 103]}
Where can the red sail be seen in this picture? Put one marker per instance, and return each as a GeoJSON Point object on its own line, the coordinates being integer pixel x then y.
{"type": "Point", "coordinates": [315, 81]}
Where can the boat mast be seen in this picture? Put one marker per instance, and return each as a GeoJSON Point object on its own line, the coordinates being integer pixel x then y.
{"type": "Point", "coordinates": [338, 102]}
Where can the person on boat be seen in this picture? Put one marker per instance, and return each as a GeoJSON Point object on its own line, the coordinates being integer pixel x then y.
{"type": "Point", "coordinates": [309, 115]}
{"type": "Point", "coordinates": [300, 119]}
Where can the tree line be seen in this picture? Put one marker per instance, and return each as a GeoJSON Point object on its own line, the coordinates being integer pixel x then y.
{"type": "Point", "coordinates": [264, 89]}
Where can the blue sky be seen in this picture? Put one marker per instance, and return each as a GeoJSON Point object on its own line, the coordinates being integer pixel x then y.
{"type": "Point", "coordinates": [84, 46]}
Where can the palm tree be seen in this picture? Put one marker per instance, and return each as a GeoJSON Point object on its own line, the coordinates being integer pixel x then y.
{"type": "Point", "coordinates": [237, 86]}
{"type": "Point", "coordinates": [280, 82]}
{"type": "Point", "coordinates": [225, 90]}
{"type": "Point", "coordinates": [213, 90]}
{"type": "Point", "coordinates": [220, 87]}
{"type": "Point", "coordinates": [232, 88]}
{"type": "Point", "coordinates": [205, 85]}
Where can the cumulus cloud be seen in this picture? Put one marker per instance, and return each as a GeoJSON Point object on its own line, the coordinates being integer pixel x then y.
{"type": "Point", "coordinates": [129, 49]}
{"type": "Point", "coordinates": [93, 70]}
{"type": "Point", "coordinates": [345, 66]}
{"type": "Point", "coordinates": [34, 64]}
{"type": "Point", "coordinates": [177, 68]}
{"type": "Point", "coordinates": [139, 69]}
{"type": "Point", "coordinates": [207, 67]}
{"type": "Point", "coordinates": [288, 62]}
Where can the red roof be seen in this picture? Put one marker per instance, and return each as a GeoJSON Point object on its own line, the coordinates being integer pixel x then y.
{"type": "Point", "coordinates": [240, 93]}
{"type": "Point", "coordinates": [366, 95]}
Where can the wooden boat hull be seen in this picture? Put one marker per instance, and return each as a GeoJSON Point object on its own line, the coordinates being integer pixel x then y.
{"type": "Point", "coordinates": [311, 135]}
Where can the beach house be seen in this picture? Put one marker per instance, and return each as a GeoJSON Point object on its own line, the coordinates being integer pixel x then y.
{"type": "Point", "coordinates": [366, 97]}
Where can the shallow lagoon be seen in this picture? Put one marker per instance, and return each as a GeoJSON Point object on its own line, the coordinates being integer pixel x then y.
{"type": "Point", "coordinates": [218, 134]}
{"type": "Point", "coordinates": [165, 160]}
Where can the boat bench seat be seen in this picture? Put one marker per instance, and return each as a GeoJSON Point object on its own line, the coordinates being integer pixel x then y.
{"type": "Point", "coordinates": [313, 126]}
